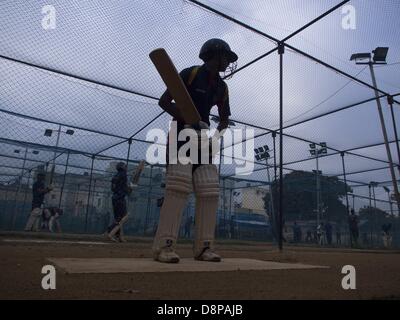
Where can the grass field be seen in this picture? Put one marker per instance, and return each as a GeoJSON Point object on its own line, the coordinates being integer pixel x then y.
{"type": "Point", "coordinates": [24, 254]}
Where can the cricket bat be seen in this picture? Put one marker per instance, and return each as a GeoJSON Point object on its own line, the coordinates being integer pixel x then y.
{"type": "Point", "coordinates": [175, 85]}
{"type": "Point", "coordinates": [138, 172]}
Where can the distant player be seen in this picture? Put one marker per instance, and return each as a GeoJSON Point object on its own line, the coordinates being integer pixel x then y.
{"type": "Point", "coordinates": [120, 188]}
{"type": "Point", "coordinates": [353, 226]}
{"type": "Point", "coordinates": [39, 190]}
{"type": "Point", "coordinates": [206, 89]}
{"type": "Point", "coordinates": [51, 219]}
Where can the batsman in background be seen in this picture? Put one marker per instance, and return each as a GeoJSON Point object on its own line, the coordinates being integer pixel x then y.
{"type": "Point", "coordinates": [39, 190]}
{"type": "Point", "coordinates": [120, 189]}
{"type": "Point", "coordinates": [206, 89]}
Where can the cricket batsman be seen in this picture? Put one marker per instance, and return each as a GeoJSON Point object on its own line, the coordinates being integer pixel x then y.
{"type": "Point", "coordinates": [206, 89]}
{"type": "Point", "coordinates": [120, 188]}
{"type": "Point", "coordinates": [39, 190]}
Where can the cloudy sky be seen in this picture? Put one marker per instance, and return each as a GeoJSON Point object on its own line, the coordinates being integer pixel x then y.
{"type": "Point", "coordinates": [108, 42]}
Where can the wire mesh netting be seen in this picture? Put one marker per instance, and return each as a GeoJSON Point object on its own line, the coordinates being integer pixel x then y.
{"type": "Point", "coordinates": [80, 97]}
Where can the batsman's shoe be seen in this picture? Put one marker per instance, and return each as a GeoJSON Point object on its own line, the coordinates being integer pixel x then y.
{"type": "Point", "coordinates": [208, 255]}
{"type": "Point", "coordinates": [166, 255]}
{"type": "Point", "coordinates": [110, 237]}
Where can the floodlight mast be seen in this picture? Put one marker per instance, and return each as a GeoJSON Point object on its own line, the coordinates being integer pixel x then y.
{"type": "Point", "coordinates": [379, 58]}
{"type": "Point", "coordinates": [262, 153]}
{"type": "Point", "coordinates": [314, 151]}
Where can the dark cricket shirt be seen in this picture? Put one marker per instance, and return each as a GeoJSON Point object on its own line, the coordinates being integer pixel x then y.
{"type": "Point", "coordinates": [119, 185]}
{"type": "Point", "coordinates": [38, 192]}
{"type": "Point", "coordinates": [206, 92]}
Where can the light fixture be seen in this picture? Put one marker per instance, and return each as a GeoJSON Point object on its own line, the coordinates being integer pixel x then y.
{"type": "Point", "coordinates": [379, 57]}
{"type": "Point", "coordinates": [380, 54]}
{"type": "Point", "coordinates": [48, 132]}
{"type": "Point", "coordinates": [17, 151]}
{"type": "Point", "coordinates": [374, 184]}
{"type": "Point", "coordinates": [70, 132]}
{"type": "Point", "coordinates": [360, 56]}
{"type": "Point", "coordinates": [35, 152]}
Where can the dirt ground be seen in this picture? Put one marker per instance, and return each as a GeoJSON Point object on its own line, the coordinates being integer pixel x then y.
{"type": "Point", "coordinates": [377, 272]}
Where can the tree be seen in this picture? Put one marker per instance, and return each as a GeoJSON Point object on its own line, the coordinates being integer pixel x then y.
{"type": "Point", "coordinates": [300, 197]}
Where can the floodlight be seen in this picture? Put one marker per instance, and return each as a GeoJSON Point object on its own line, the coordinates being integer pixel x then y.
{"type": "Point", "coordinates": [258, 158]}
{"type": "Point", "coordinates": [17, 151]}
{"type": "Point", "coordinates": [360, 56]}
{"type": "Point", "coordinates": [380, 54]}
{"type": "Point", "coordinates": [322, 144]}
{"type": "Point", "coordinates": [324, 151]}
{"type": "Point", "coordinates": [35, 152]}
{"type": "Point", "coordinates": [260, 149]}
{"type": "Point", "coordinates": [313, 152]}
{"type": "Point", "coordinates": [70, 132]}
{"type": "Point", "coordinates": [256, 151]}
{"type": "Point", "coordinates": [312, 146]}
{"type": "Point", "coordinates": [48, 132]}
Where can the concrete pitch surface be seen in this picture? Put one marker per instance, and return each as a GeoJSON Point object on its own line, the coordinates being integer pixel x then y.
{"type": "Point", "coordinates": [138, 265]}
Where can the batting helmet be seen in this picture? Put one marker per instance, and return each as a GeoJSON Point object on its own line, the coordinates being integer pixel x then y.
{"type": "Point", "coordinates": [121, 166]}
{"type": "Point", "coordinates": [216, 46]}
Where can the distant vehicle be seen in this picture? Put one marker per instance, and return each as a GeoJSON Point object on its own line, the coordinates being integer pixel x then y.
{"type": "Point", "coordinates": [248, 226]}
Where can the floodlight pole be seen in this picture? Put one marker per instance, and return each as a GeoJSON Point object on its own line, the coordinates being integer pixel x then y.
{"type": "Point", "coordinates": [281, 51]}
{"type": "Point", "coordinates": [390, 203]}
{"type": "Point", "coordinates": [90, 189]}
{"type": "Point", "coordinates": [148, 209]}
{"type": "Point", "coordinates": [55, 154]}
{"type": "Point", "coordinates": [271, 205]}
{"type": "Point", "coordinates": [129, 152]}
{"type": "Point", "coordinates": [220, 156]}
{"type": "Point", "coordinates": [18, 188]}
{"type": "Point", "coordinates": [318, 187]}
{"type": "Point", "coordinates": [127, 168]}
{"type": "Point", "coordinates": [224, 205]}
{"type": "Point", "coordinates": [375, 213]}
{"type": "Point", "coordinates": [342, 154]}
{"type": "Point", "coordinates": [385, 137]}
{"type": "Point", "coordinates": [63, 183]}
{"type": "Point", "coordinates": [26, 190]}
{"type": "Point", "coordinates": [390, 102]}
{"type": "Point", "coordinates": [372, 211]}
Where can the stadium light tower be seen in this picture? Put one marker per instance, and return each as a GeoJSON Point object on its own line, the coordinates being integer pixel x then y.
{"type": "Point", "coordinates": [49, 133]}
{"type": "Point", "coordinates": [390, 201]}
{"type": "Point", "coordinates": [262, 153]}
{"type": "Point", "coordinates": [315, 152]}
{"type": "Point", "coordinates": [379, 58]}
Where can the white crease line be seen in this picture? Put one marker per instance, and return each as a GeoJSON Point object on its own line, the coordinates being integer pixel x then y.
{"type": "Point", "coordinates": [54, 241]}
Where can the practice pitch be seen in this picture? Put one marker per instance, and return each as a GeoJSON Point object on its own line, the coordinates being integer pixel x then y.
{"type": "Point", "coordinates": [138, 265]}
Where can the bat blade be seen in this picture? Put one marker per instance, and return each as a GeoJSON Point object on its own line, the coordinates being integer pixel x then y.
{"type": "Point", "coordinates": [175, 85]}
{"type": "Point", "coordinates": [138, 172]}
